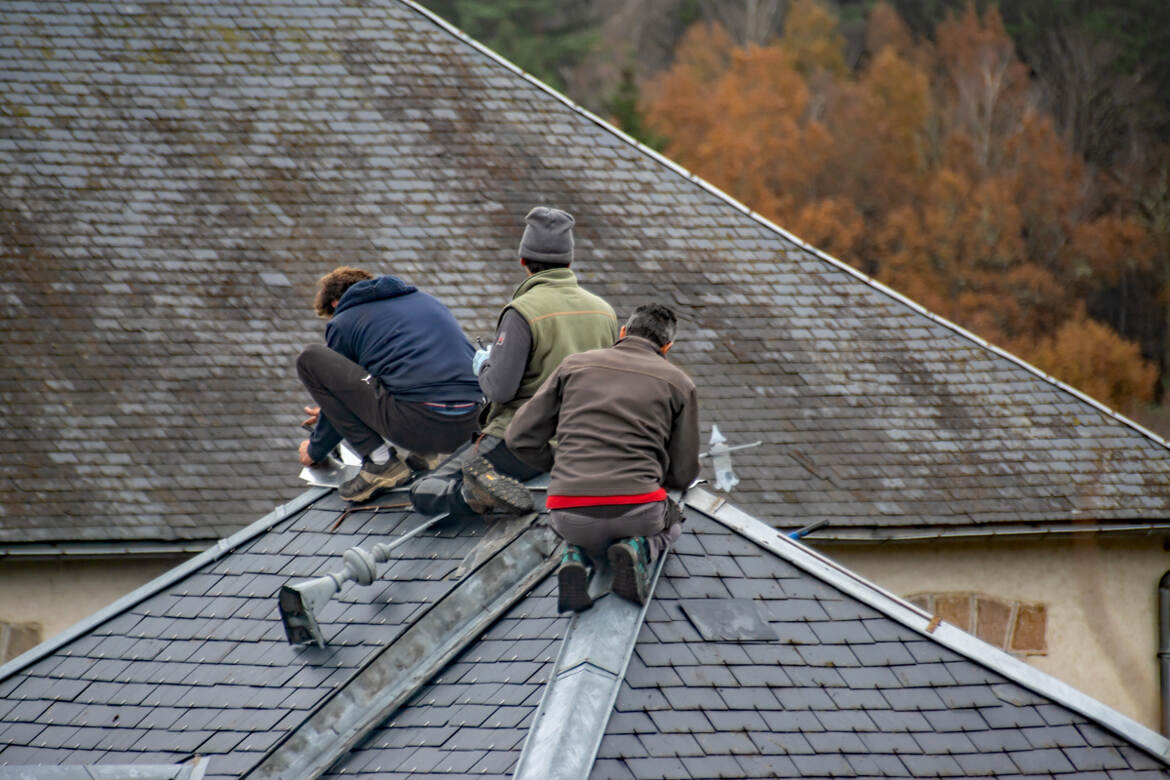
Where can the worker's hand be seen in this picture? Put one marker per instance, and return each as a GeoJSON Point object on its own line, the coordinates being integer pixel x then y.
{"type": "Point", "coordinates": [481, 355]}
{"type": "Point", "coordinates": [304, 454]}
{"type": "Point", "coordinates": [314, 412]}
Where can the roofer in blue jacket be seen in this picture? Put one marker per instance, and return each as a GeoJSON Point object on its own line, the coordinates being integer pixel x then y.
{"type": "Point", "coordinates": [396, 374]}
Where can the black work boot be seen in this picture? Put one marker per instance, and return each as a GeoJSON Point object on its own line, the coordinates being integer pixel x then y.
{"type": "Point", "coordinates": [508, 495]}
{"type": "Point", "coordinates": [573, 581]}
{"type": "Point", "coordinates": [630, 560]}
{"type": "Point", "coordinates": [374, 478]}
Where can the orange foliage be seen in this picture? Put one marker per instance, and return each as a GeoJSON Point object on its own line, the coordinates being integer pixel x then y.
{"type": "Point", "coordinates": [811, 37]}
{"type": "Point", "coordinates": [886, 30]}
{"type": "Point", "coordinates": [1111, 246]}
{"type": "Point", "coordinates": [831, 224]}
{"type": "Point", "coordinates": [931, 166]}
{"type": "Point", "coordinates": [1093, 358]}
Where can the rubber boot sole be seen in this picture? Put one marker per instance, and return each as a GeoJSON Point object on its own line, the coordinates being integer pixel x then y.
{"type": "Point", "coordinates": [573, 588]}
{"type": "Point", "coordinates": [508, 494]}
{"type": "Point", "coordinates": [626, 582]}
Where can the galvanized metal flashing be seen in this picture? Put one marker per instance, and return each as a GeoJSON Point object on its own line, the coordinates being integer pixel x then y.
{"type": "Point", "coordinates": [192, 771]}
{"type": "Point", "coordinates": [406, 664]}
{"type": "Point", "coordinates": [764, 221]}
{"type": "Point", "coordinates": [570, 722]}
{"type": "Point", "coordinates": [923, 623]}
{"type": "Point", "coordinates": [100, 550]}
{"type": "Point", "coordinates": [220, 549]}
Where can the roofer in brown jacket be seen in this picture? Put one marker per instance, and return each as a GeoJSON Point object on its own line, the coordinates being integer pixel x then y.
{"type": "Point", "coordinates": [626, 425]}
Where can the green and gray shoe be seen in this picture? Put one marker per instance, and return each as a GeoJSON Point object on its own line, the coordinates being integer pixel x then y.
{"type": "Point", "coordinates": [573, 581]}
{"type": "Point", "coordinates": [374, 478]}
{"type": "Point", "coordinates": [630, 560]}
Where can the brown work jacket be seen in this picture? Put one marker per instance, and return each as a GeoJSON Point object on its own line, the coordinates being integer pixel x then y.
{"type": "Point", "coordinates": [625, 421]}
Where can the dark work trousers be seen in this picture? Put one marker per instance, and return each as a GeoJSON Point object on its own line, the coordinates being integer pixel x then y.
{"type": "Point", "coordinates": [442, 490]}
{"type": "Point", "coordinates": [361, 409]}
{"type": "Point", "coordinates": [595, 528]}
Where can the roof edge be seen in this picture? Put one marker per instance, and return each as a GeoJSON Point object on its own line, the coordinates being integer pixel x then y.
{"type": "Point", "coordinates": [1015, 533]}
{"type": "Point", "coordinates": [920, 621]}
{"type": "Point", "coordinates": [217, 551]}
{"type": "Point", "coordinates": [29, 551]}
{"type": "Point", "coordinates": [183, 771]}
{"type": "Point", "coordinates": [764, 221]}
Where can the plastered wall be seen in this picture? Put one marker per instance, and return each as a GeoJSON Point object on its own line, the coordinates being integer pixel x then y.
{"type": "Point", "coordinates": [58, 593]}
{"type": "Point", "coordinates": [1100, 594]}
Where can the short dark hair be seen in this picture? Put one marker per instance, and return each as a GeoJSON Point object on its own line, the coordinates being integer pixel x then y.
{"type": "Point", "coordinates": [536, 266]}
{"type": "Point", "coordinates": [653, 321]}
{"type": "Point", "coordinates": [333, 285]}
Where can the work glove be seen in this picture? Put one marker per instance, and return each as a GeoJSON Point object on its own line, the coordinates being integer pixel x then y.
{"type": "Point", "coordinates": [481, 356]}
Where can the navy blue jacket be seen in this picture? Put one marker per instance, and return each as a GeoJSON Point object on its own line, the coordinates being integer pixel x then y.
{"type": "Point", "coordinates": [404, 337]}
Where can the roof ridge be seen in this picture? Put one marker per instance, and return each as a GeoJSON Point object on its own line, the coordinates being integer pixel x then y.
{"type": "Point", "coordinates": [920, 621]}
{"type": "Point", "coordinates": [164, 580]}
{"type": "Point", "coordinates": [583, 685]}
{"type": "Point", "coordinates": [762, 220]}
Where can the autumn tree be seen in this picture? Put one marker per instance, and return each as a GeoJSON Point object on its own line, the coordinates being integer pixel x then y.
{"type": "Point", "coordinates": [933, 166]}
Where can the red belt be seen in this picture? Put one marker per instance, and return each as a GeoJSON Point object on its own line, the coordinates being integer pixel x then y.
{"type": "Point", "coordinates": [568, 502]}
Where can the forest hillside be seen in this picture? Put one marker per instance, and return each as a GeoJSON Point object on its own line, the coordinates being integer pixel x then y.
{"type": "Point", "coordinates": [1007, 166]}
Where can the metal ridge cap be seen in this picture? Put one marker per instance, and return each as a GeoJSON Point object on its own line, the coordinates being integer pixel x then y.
{"type": "Point", "coordinates": [583, 685]}
{"type": "Point", "coordinates": [214, 553]}
{"type": "Point", "coordinates": [919, 621]}
{"type": "Point", "coordinates": [102, 549]}
{"type": "Point", "coordinates": [747, 211]}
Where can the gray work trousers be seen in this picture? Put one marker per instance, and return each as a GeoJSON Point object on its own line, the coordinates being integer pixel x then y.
{"type": "Point", "coordinates": [364, 412]}
{"type": "Point", "coordinates": [595, 528]}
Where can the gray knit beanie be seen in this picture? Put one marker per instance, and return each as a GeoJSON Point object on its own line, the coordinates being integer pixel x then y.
{"type": "Point", "coordinates": [548, 238]}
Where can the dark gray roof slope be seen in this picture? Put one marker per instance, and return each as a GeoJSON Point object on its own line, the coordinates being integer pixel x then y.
{"type": "Point", "coordinates": [845, 692]}
{"type": "Point", "coordinates": [174, 176]}
{"type": "Point", "coordinates": [198, 665]}
{"type": "Point", "coordinates": [202, 665]}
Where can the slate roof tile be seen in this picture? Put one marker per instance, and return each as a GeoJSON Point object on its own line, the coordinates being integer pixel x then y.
{"type": "Point", "coordinates": [226, 165]}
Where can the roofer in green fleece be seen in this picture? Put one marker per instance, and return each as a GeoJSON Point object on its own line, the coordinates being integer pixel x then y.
{"type": "Point", "coordinates": [549, 317]}
{"type": "Point", "coordinates": [626, 426]}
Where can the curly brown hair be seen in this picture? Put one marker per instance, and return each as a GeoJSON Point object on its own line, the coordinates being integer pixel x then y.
{"type": "Point", "coordinates": [333, 285]}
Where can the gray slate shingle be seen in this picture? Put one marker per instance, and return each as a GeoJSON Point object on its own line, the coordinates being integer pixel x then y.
{"type": "Point", "coordinates": [687, 707]}
{"type": "Point", "coordinates": [166, 169]}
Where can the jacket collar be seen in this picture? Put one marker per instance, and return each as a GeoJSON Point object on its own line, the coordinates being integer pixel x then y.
{"type": "Point", "coordinates": [554, 277]}
{"type": "Point", "coordinates": [638, 344]}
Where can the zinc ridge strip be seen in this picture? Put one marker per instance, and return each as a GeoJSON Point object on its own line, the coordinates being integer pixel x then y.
{"type": "Point", "coordinates": [578, 699]}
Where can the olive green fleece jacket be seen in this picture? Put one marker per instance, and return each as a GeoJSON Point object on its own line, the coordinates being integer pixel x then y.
{"type": "Point", "coordinates": [564, 319]}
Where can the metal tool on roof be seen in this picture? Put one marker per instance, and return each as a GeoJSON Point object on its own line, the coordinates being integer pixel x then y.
{"type": "Point", "coordinates": [300, 603]}
{"type": "Point", "coordinates": [804, 531]}
{"type": "Point", "coordinates": [720, 454]}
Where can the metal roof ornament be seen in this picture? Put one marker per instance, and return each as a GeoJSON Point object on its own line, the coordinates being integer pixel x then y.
{"type": "Point", "coordinates": [300, 603]}
{"type": "Point", "coordinates": [725, 478]}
